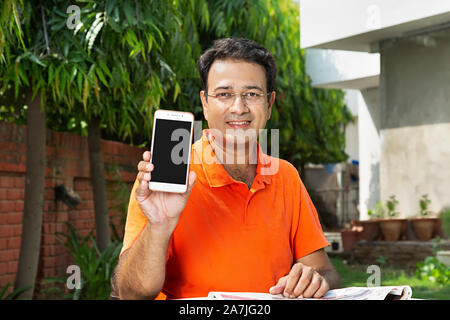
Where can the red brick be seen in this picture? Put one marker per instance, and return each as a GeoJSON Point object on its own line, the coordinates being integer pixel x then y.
{"type": "Point", "coordinates": [49, 206]}
{"type": "Point", "coordinates": [7, 206]}
{"type": "Point", "coordinates": [9, 255]}
{"type": "Point", "coordinates": [3, 194]}
{"type": "Point", "coordinates": [12, 266]}
{"type": "Point", "coordinates": [15, 194]}
{"type": "Point", "coordinates": [12, 167]}
{"type": "Point", "coordinates": [62, 217]}
{"type": "Point", "coordinates": [3, 218]}
{"type": "Point", "coordinates": [48, 262]}
{"type": "Point", "coordinates": [47, 273]}
{"type": "Point", "coordinates": [17, 230]}
{"type": "Point", "coordinates": [4, 279]}
{"type": "Point", "coordinates": [50, 183]}
{"type": "Point", "coordinates": [60, 227]}
{"type": "Point", "coordinates": [6, 231]}
{"type": "Point", "coordinates": [48, 217]}
{"type": "Point", "coordinates": [3, 244]}
{"type": "Point", "coordinates": [15, 217]}
{"type": "Point", "coordinates": [3, 267]}
{"type": "Point", "coordinates": [14, 243]}
{"type": "Point", "coordinates": [6, 182]}
{"type": "Point", "coordinates": [48, 239]}
{"type": "Point", "coordinates": [19, 206]}
{"type": "Point", "coordinates": [19, 182]}
{"type": "Point", "coordinates": [49, 194]}
{"type": "Point", "coordinates": [47, 228]}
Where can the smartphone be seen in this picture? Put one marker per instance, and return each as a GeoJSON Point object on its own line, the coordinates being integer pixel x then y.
{"type": "Point", "coordinates": [171, 150]}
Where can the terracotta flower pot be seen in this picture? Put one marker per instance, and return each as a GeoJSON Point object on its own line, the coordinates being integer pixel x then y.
{"type": "Point", "coordinates": [349, 237]}
{"type": "Point", "coordinates": [391, 229]}
{"type": "Point", "coordinates": [424, 228]}
{"type": "Point", "coordinates": [371, 230]}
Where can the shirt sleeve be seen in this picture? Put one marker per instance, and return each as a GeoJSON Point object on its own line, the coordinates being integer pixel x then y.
{"type": "Point", "coordinates": [307, 234]}
{"type": "Point", "coordinates": [135, 224]}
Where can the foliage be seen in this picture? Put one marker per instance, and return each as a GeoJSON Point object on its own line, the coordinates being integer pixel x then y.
{"type": "Point", "coordinates": [391, 205]}
{"type": "Point", "coordinates": [13, 295]}
{"type": "Point", "coordinates": [445, 218]}
{"type": "Point", "coordinates": [123, 61]}
{"type": "Point", "coordinates": [96, 267]}
{"type": "Point", "coordinates": [310, 120]}
{"type": "Point", "coordinates": [378, 212]}
{"type": "Point", "coordinates": [433, 270]}
{"type": "Point", "coordinates": [115, 64]}
{"type": "Point", "coordinates": [355, 275]}
{"type": "Point", "coordinates": [382, 260]}
{"type": "Point", "coordinates": [424, 203]}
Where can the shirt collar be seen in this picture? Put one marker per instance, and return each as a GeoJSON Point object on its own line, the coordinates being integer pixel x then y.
{"type": "Point", "coordinates": [215, 173]}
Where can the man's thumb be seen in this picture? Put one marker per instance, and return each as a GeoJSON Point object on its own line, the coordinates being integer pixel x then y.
{"type": "Point", "coordinates": [142, 190]}
{"type": "Point", "coordinates": [279, 287]}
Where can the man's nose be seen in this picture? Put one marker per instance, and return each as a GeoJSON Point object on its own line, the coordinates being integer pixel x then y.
{"type": "Point", "coordinates": [239, 105]}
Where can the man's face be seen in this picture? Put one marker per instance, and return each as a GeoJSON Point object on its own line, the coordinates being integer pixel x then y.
{"type": "Point", "coordinates": [236, 116]}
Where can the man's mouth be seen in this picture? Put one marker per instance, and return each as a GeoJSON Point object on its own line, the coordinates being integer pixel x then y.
{"type": "Point", "coordinates": [238, 124]}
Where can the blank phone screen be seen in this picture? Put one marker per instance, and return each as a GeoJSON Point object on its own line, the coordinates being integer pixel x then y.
{"type": "Point", "coordinates": [172, 141]}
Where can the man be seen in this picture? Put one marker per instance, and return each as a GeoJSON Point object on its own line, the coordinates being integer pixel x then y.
{"type": "Point", "coordinates": [236, 228]}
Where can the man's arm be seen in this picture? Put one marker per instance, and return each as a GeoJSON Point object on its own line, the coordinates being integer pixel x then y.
{"type": "Point", "coordinates": [320, 262]}
{"type": "Point", "coordinates": [142, 268]}
{"type": "Point", "coordinates": [310, 277]}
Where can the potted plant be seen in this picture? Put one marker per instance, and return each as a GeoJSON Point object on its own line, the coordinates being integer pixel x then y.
{"type": "Point", "coordinates": [392, 228]}
{"type": "Point", "coordinates": [424, 225]}
{"type": "Point", "coordinates": [349, 237]}
{"type": "Point", "coordinates": [370, 228]}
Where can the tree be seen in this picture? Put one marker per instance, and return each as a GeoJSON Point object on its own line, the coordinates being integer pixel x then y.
{"type": "Point", "coordinates": [311, 121]}
{"type": "Point", "coordinates": [17, 62]}
{"type": "Point", "coordinates": [124, 51]}
{"type": "Point", "coordinates": [111, 68]}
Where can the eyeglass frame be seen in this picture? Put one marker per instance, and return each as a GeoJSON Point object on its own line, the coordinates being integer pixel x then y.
{"type": "Point", "coordinates": [240, 94]}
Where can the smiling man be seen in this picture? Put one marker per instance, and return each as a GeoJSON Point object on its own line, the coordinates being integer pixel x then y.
{"type": "Point", "coordinates": [237, 227]}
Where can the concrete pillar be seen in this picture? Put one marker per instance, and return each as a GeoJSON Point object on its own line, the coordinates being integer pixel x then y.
{"type": "Point", "coordinates": [415, 120]}
{"type": "Point", "coordinates": [369, 150]}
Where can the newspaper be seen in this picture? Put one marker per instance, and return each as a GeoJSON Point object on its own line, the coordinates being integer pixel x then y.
{"type": "Point", "coordinates": [350, 293]}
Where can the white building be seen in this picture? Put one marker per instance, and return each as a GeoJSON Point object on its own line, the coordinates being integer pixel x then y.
{"type": "Point", "coordinates": [392, 58]}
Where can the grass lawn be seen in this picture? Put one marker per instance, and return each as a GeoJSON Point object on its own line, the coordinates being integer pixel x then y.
{"type": "Point", "coordinates": [354, 275]}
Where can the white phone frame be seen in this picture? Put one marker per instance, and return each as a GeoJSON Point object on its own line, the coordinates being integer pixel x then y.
{"type": "Point", "coordinates": [171, 115]}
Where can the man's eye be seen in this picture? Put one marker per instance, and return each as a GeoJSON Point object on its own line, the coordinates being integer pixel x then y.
{"type": "Point", "coordinates": [224, 94]}
{"type": "Point", "coordinates": [251, 94]}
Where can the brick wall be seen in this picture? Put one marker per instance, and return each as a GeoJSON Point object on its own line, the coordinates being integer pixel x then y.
{"type": "Point", "coordinates": [404, 254]}
{"type": "Point", "coordinates": [68, 164]}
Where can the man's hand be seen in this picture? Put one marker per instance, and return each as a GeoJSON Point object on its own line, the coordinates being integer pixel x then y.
{"type": "Point", "coordinates": [162, 209]}
{"type": "Point", "coordinates": [302, 281]}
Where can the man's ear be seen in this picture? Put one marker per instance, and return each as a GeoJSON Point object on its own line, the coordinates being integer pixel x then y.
{"type": "Point", "coordinates": [204, 104]}
{"type": "Point", "coordinates": [271, 102]}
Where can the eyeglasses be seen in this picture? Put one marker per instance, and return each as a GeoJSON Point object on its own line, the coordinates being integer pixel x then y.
{"type": "Point", "coordinates": [248, 98]}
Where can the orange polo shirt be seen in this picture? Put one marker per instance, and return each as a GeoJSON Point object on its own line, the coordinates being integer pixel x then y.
{"type": "Point", "coordinates": [230, 238]}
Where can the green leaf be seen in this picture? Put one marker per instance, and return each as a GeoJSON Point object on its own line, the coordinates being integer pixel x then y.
{"type": "Point", "coordinates": [37, 60]}
{"type": "Point", "coordinates": [101, 77]}
{"type": "Point", "coordinates": [130, 13]}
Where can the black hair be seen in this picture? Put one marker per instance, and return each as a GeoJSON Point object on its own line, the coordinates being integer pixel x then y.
{"type": "Point", "coordinates": [237, 49]}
